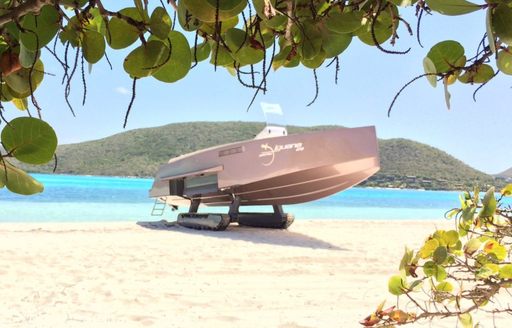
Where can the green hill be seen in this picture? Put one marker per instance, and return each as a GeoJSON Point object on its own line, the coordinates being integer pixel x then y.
{"type": "Point", "coordinates": [506, 173]}
{"type": "Point", "coordinates": [139, 152]}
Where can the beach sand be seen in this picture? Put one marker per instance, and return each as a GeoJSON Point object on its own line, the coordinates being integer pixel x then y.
{"type": "Point", "coordinates": [316, 274]}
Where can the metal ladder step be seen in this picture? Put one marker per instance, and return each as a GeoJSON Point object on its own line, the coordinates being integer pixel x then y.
{"type": "Point", "coordinates": [158, 207]}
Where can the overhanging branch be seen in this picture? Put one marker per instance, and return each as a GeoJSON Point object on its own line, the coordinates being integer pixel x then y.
{"type": "Point", "coordinates": [28, 7]}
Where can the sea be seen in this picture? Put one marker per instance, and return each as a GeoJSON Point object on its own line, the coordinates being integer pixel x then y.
{"type": "Point", "coordinates": [72, 198]}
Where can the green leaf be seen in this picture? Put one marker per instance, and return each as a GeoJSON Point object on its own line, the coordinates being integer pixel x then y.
{"type": "Point", "coordinates": [481, 74]}
{"type": "Point", "coordinates": [334, 44]}
{"type": "Point", "coordinates": [406, 259]}
{"type": "Point", "coordinates": [93, 44]}
{"type": "Point", "coordinates": [396, 285]}
{"type": "Point", "coordinates": [472, 246]}
{"type": "Point", "coordinates": [429, 247]}
{"type": "Point", "coordinates": [466, 320]}
{"type": "Point", "coordinates": [504, 61]}
{"type": "Point", "coordinates": [120, 34]}
{"type": "Point", "coordinates": [30, 140]}
{"type": "Point", "coordinates": [452, 7]}
{"type": "Point", "coordinates": [501, 18]}
{"type": "Point", "coordinates": [206, 10]}
{"type": "Point", "coordinates": [494, 247]}
{"type": "Point", "coordinates": [27, 57]}
{"type": "Point", "coordinates": [202, 51]}
{"type": "Point", "coordinates": [18, 81]}
{"type": "Point", "coordinates": [187, 21]}
{"type": "Point", "coordinates": [160, 23]}
{"type": "Point", "coordinates": [444, 286]}
{"type": "Point", "coordinates": [506, 271]}
{"type": "Point", "coordinates": [21, 104]}
{"type": "Point", "coordinates": [383, 29]}
{"type": "Point", "coordinates": [39, 29]}
{"type": "Point", "coordinates": [507, 191]}
{"type": "Point", "coordinates": [446, 56]}
{"type": "Point", "coordinates": [491, 38]}
{"type": "Point", "coordinates": [440, 255]}
{"type": "Point", "coordinates": [451, 237]}
{"type": "Point", "coordinates": [346, 22]}
{"type": "Point", "coordinates": [430, 68]}
{"type": "Point", "coordinates": [147, 59]}
{"type": "Point", "coordinates": [489, 204]}
{"type": "Point", "coordinates": [178, 65]}
{"type": "Point", "coordinates": [430, 269]}
{"type": "Point", "coordinates": [17, 181]}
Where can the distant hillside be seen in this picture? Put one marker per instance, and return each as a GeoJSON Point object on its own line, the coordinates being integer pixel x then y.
{"type": "Point", "coordinates": [506, 174]}
{"type": "Point", "coordinates": [139, 152]}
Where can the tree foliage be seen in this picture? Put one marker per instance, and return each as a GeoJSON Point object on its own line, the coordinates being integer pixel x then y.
{"type": "Point", "coordinates": [459, 271]}
{"type": "Point", "coordinates": [248, 38]}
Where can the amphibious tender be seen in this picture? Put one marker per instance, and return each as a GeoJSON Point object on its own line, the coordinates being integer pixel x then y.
{"type": "Point", "coordinates": [273, 169]}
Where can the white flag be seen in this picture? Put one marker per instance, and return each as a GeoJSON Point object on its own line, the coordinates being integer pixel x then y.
{"type": "Point", "coordinates": [271, 108]}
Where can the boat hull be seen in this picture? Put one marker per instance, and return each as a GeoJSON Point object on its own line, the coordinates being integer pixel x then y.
{"type": "Point", "coordinates": [275, 171]}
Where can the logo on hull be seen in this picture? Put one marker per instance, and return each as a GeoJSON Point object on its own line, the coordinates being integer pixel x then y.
{"type": "Point", "coordinates": [268, 153]}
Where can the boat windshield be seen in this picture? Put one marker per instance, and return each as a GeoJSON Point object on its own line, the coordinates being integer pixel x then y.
{"type": "Point", "coordinates": [276, 126]}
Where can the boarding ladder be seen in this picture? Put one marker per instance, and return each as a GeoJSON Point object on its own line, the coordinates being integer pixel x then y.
{"type": "Point", "coordinates": [159, 207]}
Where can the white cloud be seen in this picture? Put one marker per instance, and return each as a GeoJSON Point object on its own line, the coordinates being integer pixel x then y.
{"type": "Point", "coordinates": [122, 90]}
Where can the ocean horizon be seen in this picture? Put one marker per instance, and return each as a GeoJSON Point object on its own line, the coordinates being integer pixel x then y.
{"type": "Point", "coordinates": [77, 198]}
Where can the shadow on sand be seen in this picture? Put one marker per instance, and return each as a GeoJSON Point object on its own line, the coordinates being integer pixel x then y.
{"type": "Point", "coordinates": [253, 235]}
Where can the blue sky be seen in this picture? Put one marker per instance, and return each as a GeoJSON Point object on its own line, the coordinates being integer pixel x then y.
{"type": "Point", "coordinates": [477, 133]}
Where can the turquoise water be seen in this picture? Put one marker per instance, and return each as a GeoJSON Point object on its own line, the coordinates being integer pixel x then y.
{"type": "Point", "coordinates": [90, 198]}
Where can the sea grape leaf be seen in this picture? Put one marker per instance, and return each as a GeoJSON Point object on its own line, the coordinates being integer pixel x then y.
{"type": "Point", "coordinates": [440, 255]}
{"type": "Point", "coordinates": [383, 28]}
{"type": "Point", "coordinates": [346, 22]}
{"type": "Point", "coordinates": [160, 23]}
{"type": "Point", "coordinates": [472, 246]}
{"type": "Point", "coordinates": [187, 21]}
{"type": "Point", "coordinates": [30, 140]}
{"type": "Point", "coordinates": [21, 104]}
{"type": "Point", "coordinates": [220, 55]}
{"type": "Point", "coordinates": [27, 58]}
{"type": "Point", "coordinates": [399, 316]}
{"type": "Point", "coordinates": [504, 61]}
{"type": "Point", "coordinates": [147, 59]}
{"type": "Point", "coordinates": [451, 237]}
{"type": "Point", "coordinates": [489, 204]}
{"type": "Point", "coordinates": [178, 65]}
{"type": "Point", "coordinates": [202, 51]}
{"type": "Point", "coordinates": [19, 82]}
{"type": "Point", "coordinates": [494, 247]}
{"type": "Point", "coordinates": [446, 56]}
{"type": "Point", "coordinates": [430, 69]}
{"type": "Point", "coordinates": [207, 11]}
{"type": "Point", "coordinates": [491, 38]}
{"type": "Point", "coordinates": [39, 29]}
{"type": "Point", "coordinates": [334, 44]}
{"type": "Point", "coordinates": [452, 7]}
{"type": "Point", "coordinates": [431, 269]}
{"type": "Point", "coordinates": [444, 286]}
{"type": "Point", "coordinates": [120, 34]}
{"type": "Point", "coordinates": [479, 74]}
{"type": "Point", "coordinates": [311, 42]}
{"type": "Point", "coordinates": [506, 271]}
{"type": "Point", "coordinates": [396, 285]}
{"type": "Point", "coordinates": [316, 61]}
{"type": "Point", "coordinates": [501, 18]}
{"type": "Point", "coordinates": [429, 247]}
{"type": "Point", "coordinates": [466, 320]}
{"type": "Point", "coordinates": [18, 181]}
{"type": "Point", "coordinates": [93, 45]}
{"type": "Point", "coordinates": [447, 94]}
{"type": "Point", "coordinates": [507, 190]}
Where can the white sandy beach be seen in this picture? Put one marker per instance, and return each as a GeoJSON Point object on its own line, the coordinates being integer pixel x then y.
{"type": "Point", "coordinates": [316, 274]}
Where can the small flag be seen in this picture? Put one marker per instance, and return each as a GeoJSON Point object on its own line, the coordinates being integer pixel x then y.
{"type": "Point", "coordinates": [271, 108]}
